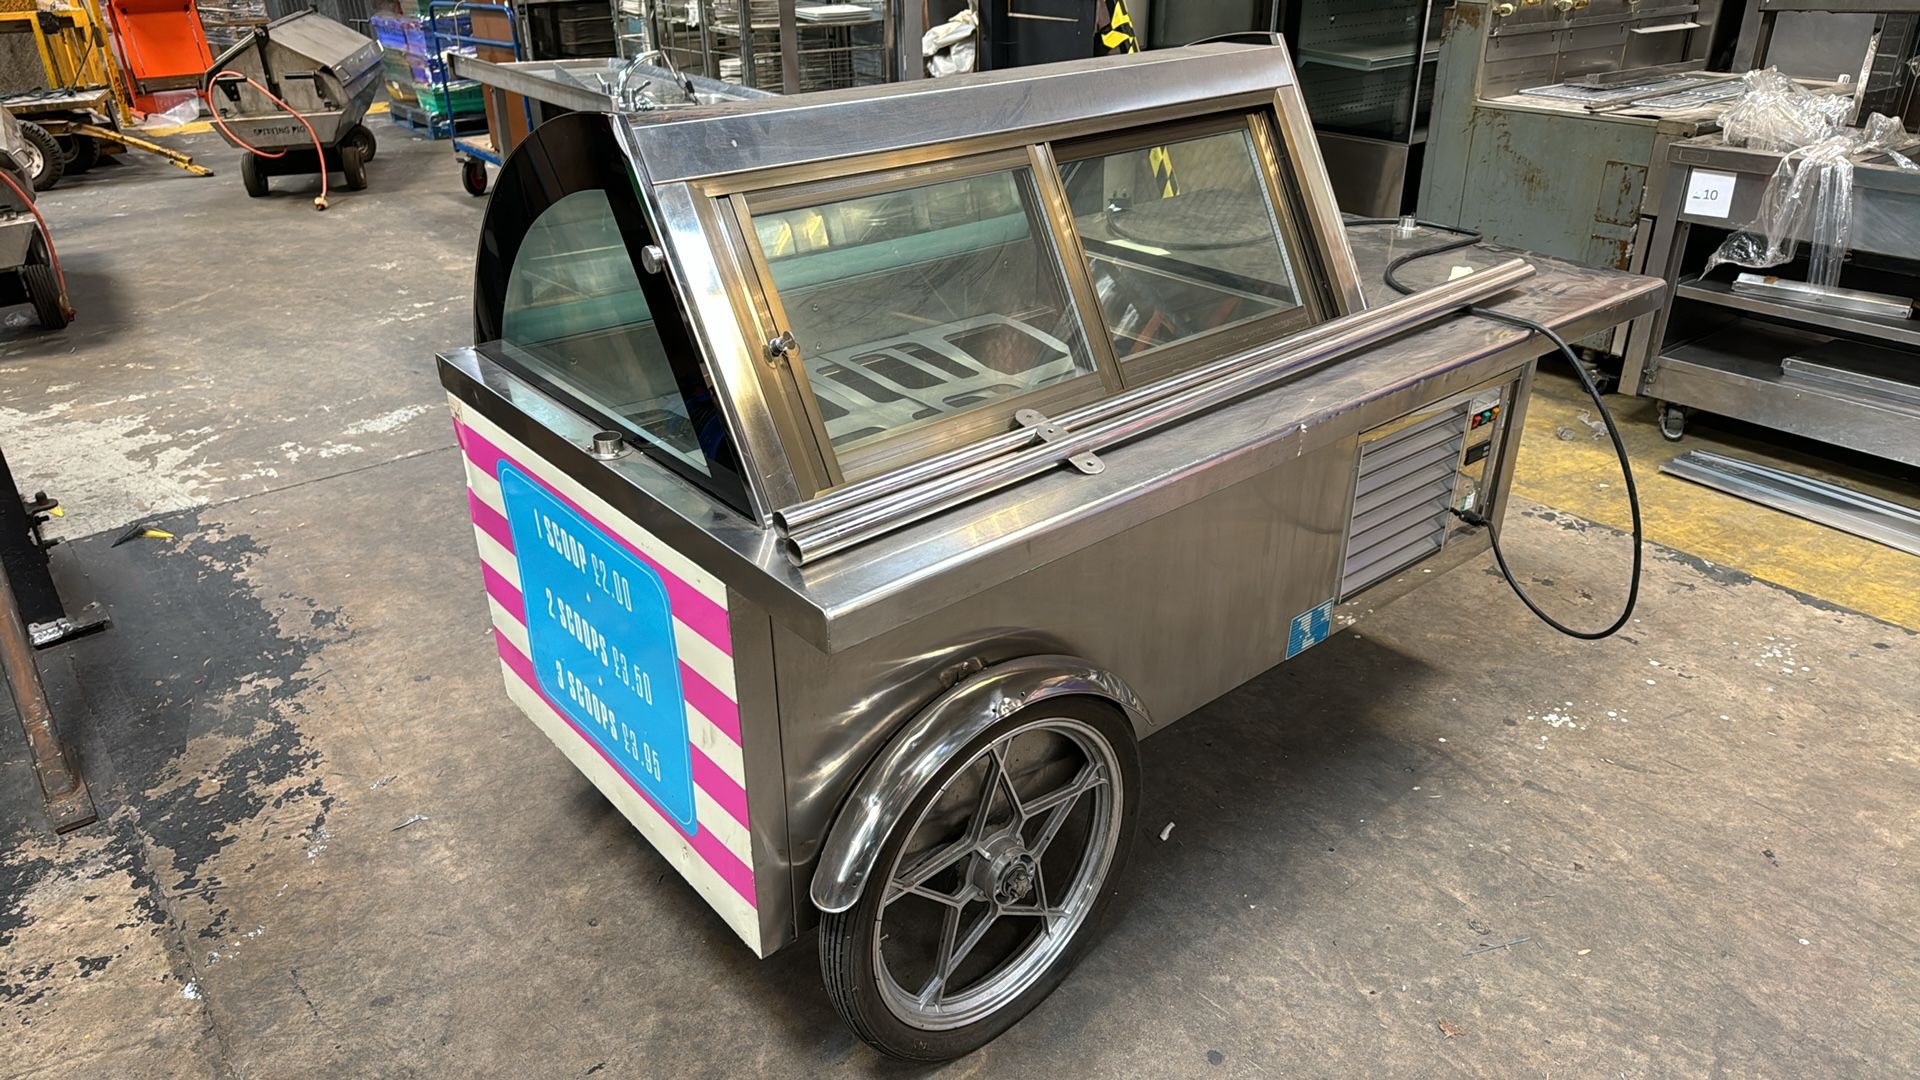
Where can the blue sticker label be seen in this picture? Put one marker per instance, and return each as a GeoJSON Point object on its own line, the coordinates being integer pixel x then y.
{"type": "Point", "coordinates": [601, 633]}
{"type": "Point", "coordinates": [1309, 628]}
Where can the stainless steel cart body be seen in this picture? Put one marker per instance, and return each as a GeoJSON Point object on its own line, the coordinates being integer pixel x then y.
{"type": "Point", "coordinates": [323, 69]}
{"type": "Point", "coordinates": [320, 70]}
{"type": "Point", "coordinates": [27, 273]}
{"type": "Point", "coordinates": [863, 306]}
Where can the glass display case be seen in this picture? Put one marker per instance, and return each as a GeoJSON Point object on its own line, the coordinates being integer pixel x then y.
{"type": "Point", "coordinates": [1366, 69]}
{"type": "Point", "coordinates": [858, 478]}
{"type": "Point", "coordinates": [927, 304]}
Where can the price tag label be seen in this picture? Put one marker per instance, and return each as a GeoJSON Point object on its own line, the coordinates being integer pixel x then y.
{"type": "Point", "coordinates": [1710, 194]}
{"type": "Point", "coordinates": [601, 630]}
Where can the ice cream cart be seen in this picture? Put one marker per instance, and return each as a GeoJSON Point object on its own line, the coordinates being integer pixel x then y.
{"type": "Point", "coordinates": [860, 477]}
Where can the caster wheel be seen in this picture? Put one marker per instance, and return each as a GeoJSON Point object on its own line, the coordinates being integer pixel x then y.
{"type": "Point", "coordinates": [40, 156]}
{"type": "Point", "coordinates": [353, 163]}
{"type": "Point", "coordinates": [992, 885]}
{"type": "Point", "coordinates": [362, 137]}
{"type": "Point", "coordinates": [1673, 422]}
{"type": "Point", "coordinates": [473, 177]}
{"type": "Point", "coordinates": [252, 177]}
{"type": "Point", "coordinates": [43, 291]}
{"type": "Point", "coordinates": [1603, 380]}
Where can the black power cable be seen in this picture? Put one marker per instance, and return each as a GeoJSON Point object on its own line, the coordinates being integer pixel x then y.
{"type": "Point", "coordinates": [1468, 238]}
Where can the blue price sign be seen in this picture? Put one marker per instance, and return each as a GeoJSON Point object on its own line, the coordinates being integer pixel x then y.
{"type": "Point", "coordinates": [601, 633]}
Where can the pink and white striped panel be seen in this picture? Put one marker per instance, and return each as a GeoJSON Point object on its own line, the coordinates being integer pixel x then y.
{"type": "Point", "coordinates": [717, 859]}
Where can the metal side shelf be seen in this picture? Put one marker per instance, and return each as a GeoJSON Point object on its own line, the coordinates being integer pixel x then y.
{"type": "Point", "coordinates": [1905, 331]}
{"type": "Point", "coordinates": [1736, 370]}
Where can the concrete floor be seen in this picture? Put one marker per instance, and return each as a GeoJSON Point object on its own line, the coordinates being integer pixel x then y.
{"type": "Point", "coordinates": [1446, 842]}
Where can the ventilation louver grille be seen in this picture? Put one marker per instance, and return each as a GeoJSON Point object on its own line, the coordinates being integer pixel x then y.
{"type": "Point", "coordinates": [1401, 496]}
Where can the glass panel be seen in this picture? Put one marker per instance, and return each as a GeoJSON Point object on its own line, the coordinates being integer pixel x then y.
{"type": "Point", "coordinates": [1360, 61]}
{"type": "Point", "coordinates": [577, 318]}
{"type": "Point", "coordinates": [1181, 239]}
{"type": "Point", "coordinates": [921, 303]}
{"type": "Point", "coordinates": [1182, 22]}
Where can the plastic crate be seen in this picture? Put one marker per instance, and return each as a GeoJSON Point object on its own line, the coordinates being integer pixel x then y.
{"type": "Point", "coordinates": [396, 70]}
{"type": "Point", "coordinates": [445, 25]}
{"type": "Point", "coordinates": [401, 92]}
{"type": "Point", "coordinates": [435, 127]}
{"type": "Point", "coordinates": [391, 30]}
{"type": "Point", "coordinates": [400, 64]}
{"type": "Point", "coordinates": [461, 98]}
{"type": "Point", "coordinates": [409, 33]}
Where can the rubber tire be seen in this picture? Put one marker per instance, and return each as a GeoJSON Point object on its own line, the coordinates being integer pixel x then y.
{"type": "Point", "coordinates": [43, 290]}
{"type": "Point", "coordinates": [473, 177]}
{"type": "Point", "coordinates": [362, 136]}
{"type": "Point", "coordinates": [846, 946]}
{"type": "Point", "coordinates": [1673, 422]}
{"type": "Point", "coordinates": [251, 177]}
{"type": "Point", "coordinates": [53, 159]}
{"type": "Point", "coordinates": [83, 152]}
{"type": "Point", "coordinates": [354, 166]}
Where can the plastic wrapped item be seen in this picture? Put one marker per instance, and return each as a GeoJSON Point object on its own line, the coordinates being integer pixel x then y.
{"type": "Point", "coordinates": [1774, 112]}
{"type": "Point", "coordinates": [174, 110]}
{"type": "Point", "coordinates": [951, 47]}
{"type": "Point", "coordinates": [1811, 192]}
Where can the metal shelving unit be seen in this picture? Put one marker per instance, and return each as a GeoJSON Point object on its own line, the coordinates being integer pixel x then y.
{"type": "Point", "coordinates": [1840, 377]}
{"type": "Point", "coordinates": [779, 45]}
{"type": "Point", "coordinates": [1808, 367]}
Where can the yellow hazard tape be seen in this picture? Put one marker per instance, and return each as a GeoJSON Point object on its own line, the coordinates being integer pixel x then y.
{"type": "Point", "coordinates": [1119, 35]}
{"type": "Point", "coordinates": [1161, 161]}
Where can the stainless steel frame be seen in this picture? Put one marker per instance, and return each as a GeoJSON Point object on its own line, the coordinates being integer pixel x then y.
{"type": "Point", "coordinates": [1216, 522]}
{"type": "Point", "coordinates": [883, 131]}
{"type": "Point", "coordinates": [1827, 39]}
{"type": "Point", "coordinates": [1732, 353]}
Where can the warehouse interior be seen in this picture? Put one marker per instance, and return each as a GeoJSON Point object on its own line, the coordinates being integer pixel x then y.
{"type": "Point", "coordinates": [1002, 503]}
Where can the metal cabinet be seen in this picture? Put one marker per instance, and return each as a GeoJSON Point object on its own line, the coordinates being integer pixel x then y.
{"type": "Point", "coordinates": [1550, 120]}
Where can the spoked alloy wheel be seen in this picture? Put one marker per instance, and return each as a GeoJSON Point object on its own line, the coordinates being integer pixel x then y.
{"type": "Point", "coordinates": [994, 883]}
